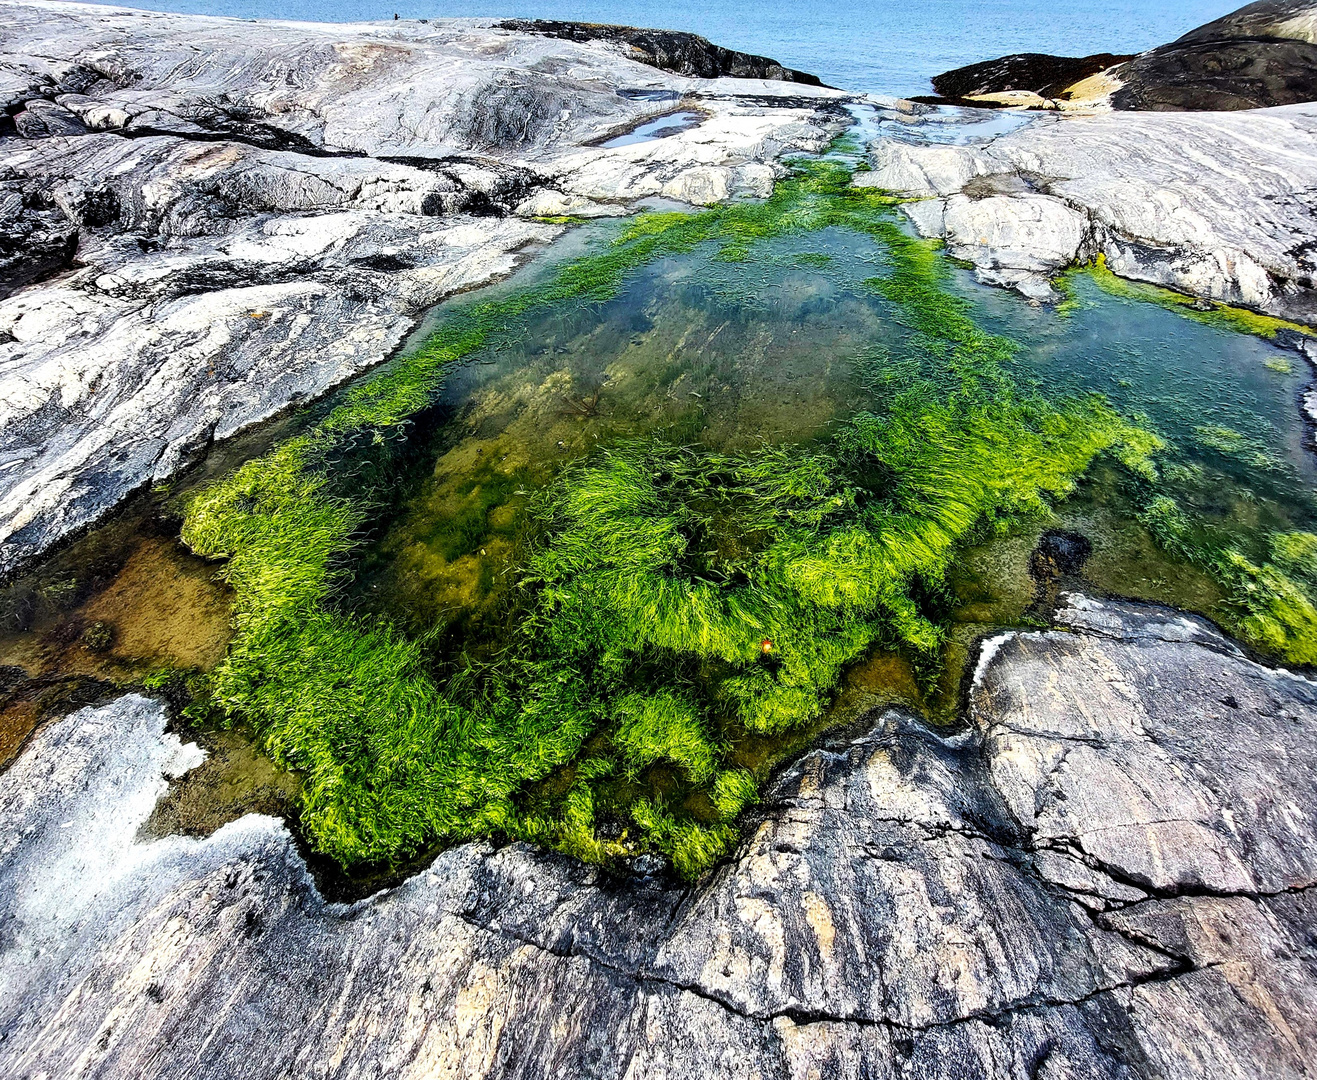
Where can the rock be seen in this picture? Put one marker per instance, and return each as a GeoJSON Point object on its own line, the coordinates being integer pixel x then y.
{"type": "Point", "coordinates": [1115, 767]}
{"type": "Point", "coordinates": [670, 50]}
{"type": "Point", "coordinates": [194, 247]}
{"type": "Point", "coordinates": [1218, 75]}
{"type": "Point", "coordinates": [46, 120]}
{"type": "Point", "coordinates": [1262, 55]}
{"type": "Point", "coordinates": [37, 238]}
{"type": "Point", "coordinates": [1014, 240]}
{"type": "Point", "coordinates": [1286, 20]}
{"type": "Point", "coordinates": [1160, 195]}
{"type": "Point", "coordinates": [1111, 874]}
{"type": "Point", "coordinates": [1038, 73]}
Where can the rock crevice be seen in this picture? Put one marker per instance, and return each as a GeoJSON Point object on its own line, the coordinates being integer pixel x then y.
{"type": "Point", "coordinates": [902, 904]}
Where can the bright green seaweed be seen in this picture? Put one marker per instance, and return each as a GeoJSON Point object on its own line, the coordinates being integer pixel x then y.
{"type": "Point", "coordinates": [1269, 578]}
{"type": "Point", "coordinates": [671, 598]}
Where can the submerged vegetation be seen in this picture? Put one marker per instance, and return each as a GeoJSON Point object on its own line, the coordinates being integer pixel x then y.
{"type": "Point", "coordinates": [1211, 313]}
{"type": "Point", "coordinates": [671, 599]}
{"type": "Point", "coordinates": [1270, 605]}
{"type": "Point", "coordinates": [1268, 576]}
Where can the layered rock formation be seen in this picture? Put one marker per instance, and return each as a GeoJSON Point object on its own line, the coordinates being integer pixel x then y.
{"type": "Point", "coordinates": [210, 220]}
{"type": "Point", "coordinates": [1038, 74]}
{"type": "Point", "coordinates": [1264, 54]}
{"type": "Point", "coordinates": [1216, 205]}
{"type": "Point", "coordinates": [1110, 875]}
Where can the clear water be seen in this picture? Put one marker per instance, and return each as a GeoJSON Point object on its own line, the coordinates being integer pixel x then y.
{"type": "Point", "coordinates": [877, 46]}
{"type": "Point", "coordinates": [727, 356]}
{"type": "Point", "coordinates": [661, 127]}
{"type": "Point", "coordinates": [774, 349]}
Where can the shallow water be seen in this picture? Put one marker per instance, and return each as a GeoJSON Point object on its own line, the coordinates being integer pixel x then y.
{"type": "Point", "coordinates": [661, 127]}
{"type": "Point", "coordinates": [696, 352]}
{"type": "Point", "coordinates": [778, 349]}
{"type": "Point", "coordinates": [778, 345]}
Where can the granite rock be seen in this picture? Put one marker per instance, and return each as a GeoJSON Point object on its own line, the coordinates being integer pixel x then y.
{"type": "Point", "coordinates": [1218, 205]}
{"type": "Point", "coordinates": [1262, 55]}
{"type": "Point", "coordinates": [205, 221]}
{"type": "Point", "coordinates": [1108, 874]}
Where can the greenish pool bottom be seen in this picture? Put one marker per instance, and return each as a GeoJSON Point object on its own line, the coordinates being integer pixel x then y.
{"type": "Point", "coordinates": [668, 615]}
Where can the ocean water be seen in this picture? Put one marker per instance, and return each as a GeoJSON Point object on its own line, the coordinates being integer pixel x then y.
{"type": "Point", "coordinates": [880, 46]}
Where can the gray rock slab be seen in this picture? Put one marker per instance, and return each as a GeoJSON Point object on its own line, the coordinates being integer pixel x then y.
{"type": "Point", "coordinates": [1106, 876]}
{"type": "Point", "coordinates": [1217, 205]}
{"type": "Point", "coordinates": [214, 219]}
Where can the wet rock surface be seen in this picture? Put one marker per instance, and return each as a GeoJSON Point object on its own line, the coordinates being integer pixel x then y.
{"type": "Point", "coordinates": [205, 221]}
{"type": "Point", "coordinates": [1109, 875]}
{"type": "Point", "coordinates": [1165, 197]}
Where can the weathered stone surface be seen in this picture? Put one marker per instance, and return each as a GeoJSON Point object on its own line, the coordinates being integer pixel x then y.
{"type": "Point", "coordinates": [214, 219]}
{"type": "Point", "coordinates": [1109, 875]}
{"type": "Point", "coordinates": [1112, 766]}
{"type": "Point", "coordinates": [1287, 20]}
{"type": "Point", "coordinates": [1217, 205]}
{"type": "Point", "coordinates": [1262, 55]}
{"type": "Point", "coordinates": [1218, 76]}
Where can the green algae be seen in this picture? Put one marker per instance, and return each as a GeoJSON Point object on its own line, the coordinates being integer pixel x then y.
{"type": "Point", "coordinates": [1270, 603]}
{"type": "Point", "coordinates": [670, 601]}
{"type": "Point", "coordinates": [1233, 514]}
{"type": "Point", "coordinates": [1240, 319]}
{"type": "Point", "coordinates": [1231, 443]}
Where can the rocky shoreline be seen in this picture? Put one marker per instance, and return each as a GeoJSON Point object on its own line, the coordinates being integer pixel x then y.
{"type": "Point", "coordinates": [1110, 875]}
{"type": "Point", "coordinates": [1109, 872]}
{"type": "Point", "coordinates": [218, 241]}
{"type": "Point", "coordinates": [1163, 197]}
{"type": "Point", "coordinates": [1263, 55]}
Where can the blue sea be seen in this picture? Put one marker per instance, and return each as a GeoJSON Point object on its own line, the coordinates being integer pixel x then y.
{"type": "Point", "coordinates": [881, 46]}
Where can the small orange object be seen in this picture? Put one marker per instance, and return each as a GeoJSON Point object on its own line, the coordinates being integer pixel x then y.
{"type": "Point", "coordinates": [766, 646]}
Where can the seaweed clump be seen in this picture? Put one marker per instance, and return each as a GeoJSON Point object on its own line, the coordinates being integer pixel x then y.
{"type": "Point", "coordinates": [674, 599]}
{"type": "Point", "coordinates": [1270, 602]}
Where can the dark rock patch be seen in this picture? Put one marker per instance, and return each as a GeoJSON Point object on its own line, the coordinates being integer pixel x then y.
{"type": "Point", "coordinates": [1257, 57]}
{"type": "Point", "coordinates": [45, 120]}
{"type": "Point", "coordinates": [1219, 76]}
{"type": "Point", "coordinates": [668, 50]}
{"type": "Point", "coordinates": [1059, 553]}
{"type": "Point", "coordinates": [1054, 565]}
{"type": "Point", "coordinates": [37, 240]}
{"type": "Point", "coordinates": [1040, 73]}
